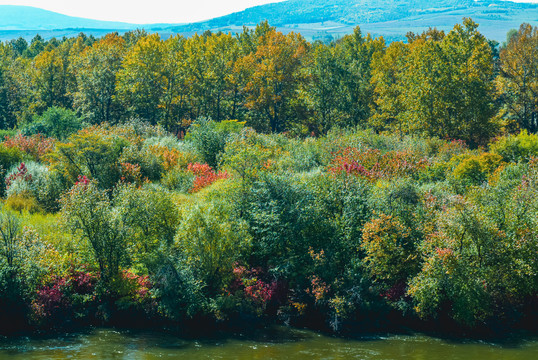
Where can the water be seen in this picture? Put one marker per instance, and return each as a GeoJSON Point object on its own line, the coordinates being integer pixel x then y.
{"type": "Point", "coordinates": [279, 343]}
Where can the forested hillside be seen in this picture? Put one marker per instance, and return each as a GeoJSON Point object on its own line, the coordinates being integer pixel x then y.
{"type": "Point", "coordinates": [314, 19]}
{"type": "Point", "coordinates": [324, 20]}
{"type": "Point", "coordinates": [221, 179]}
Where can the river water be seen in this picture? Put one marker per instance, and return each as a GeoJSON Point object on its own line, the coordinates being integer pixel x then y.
{"type": "Point", "coordinates": [277, 343]}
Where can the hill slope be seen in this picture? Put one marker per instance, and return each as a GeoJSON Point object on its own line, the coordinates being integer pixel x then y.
{"type": "Point", "coordinates": [315, 19]}
{"type": "Point", "coordinates": [382, 17]}
{"type": "Point", "coordinates": [13, 17]}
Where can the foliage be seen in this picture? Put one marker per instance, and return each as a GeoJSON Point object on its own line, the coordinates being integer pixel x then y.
{"type": "Point", "coordinates": [88, 213]}
{"type": "Point", "coordinates": [55, 122]}
{"type": "Point", "coordinates": [209, 138]}
{"type": "Point", "coordinates": [210, 240]}
{"type": "Point", "coordinates": [514, 148]}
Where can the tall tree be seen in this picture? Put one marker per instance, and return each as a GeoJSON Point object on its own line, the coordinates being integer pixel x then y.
{"type": "Point", "coordinates": [96, 69]}
{"type": "Point", "coordinates": [518, 79]}
{"type": "Point", "coordinates": [273, 79]}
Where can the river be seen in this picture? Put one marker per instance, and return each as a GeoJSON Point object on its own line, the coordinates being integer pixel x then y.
{"type": "Point", "coordinates": [277, 343]}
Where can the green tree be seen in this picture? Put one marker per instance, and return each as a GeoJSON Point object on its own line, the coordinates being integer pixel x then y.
{"type": "Point", "coordinates": [96, 68]}
{"type": "Point", "coordinates": [88, 213]}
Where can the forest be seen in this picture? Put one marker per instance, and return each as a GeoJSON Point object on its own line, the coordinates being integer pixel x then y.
{"type": "Point", "coordinates": [257, 178]}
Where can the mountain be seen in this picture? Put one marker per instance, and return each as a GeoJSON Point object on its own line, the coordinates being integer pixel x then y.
{"type": "Point", "coordinates": [14, 17]}
{"type": "Point", "coordinates": [390, 18]}
{"type": "Point", "coordinates": [315, 19]}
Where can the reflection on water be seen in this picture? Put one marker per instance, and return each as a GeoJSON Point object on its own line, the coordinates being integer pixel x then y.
{"type": "Point", "coordinates": [278, 343]}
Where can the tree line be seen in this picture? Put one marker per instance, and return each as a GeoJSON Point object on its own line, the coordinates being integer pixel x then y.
{"type": "Point", "coordinates": [454, 85]}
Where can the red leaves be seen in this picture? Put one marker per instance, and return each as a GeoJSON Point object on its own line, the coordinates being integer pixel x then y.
{"type": "Point", "coordinates": [204, 176]}
{"type": "Point", "coordinates": [36, 145]}
{"type": "Point", "coordinates": [373, 165]}
{"type": "Point", "coordinates": [82, 180]}
{"type": "Point", "coordinates": [21, 174]}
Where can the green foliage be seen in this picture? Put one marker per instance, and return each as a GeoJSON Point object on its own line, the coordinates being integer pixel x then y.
{"type": "Point", "coordinates": [91, 154]}
{"type": "Point", "coordinates": [210, 240]}
{"type": "Point", "coordinates": [151, 218]}
{"type": "Point", "coordinates": [88, 213]}
{"type": "Point", "coordinates": [209, 138]}
{"type": "Point", "coordinates": [54, 122]}
{"type": "Point", "coordinates": [514, 148]}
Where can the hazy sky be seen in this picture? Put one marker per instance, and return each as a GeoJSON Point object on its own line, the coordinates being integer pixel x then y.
{"type": "Point", "coordinates": [139, 11]}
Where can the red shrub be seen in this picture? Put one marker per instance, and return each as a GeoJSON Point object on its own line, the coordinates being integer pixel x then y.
{"type": "Point", "coordinates": [373, 165]}
{"type": "Point", "coordinates": [36, 146]}
{"type": "Point", "coordinates": [204, 176]}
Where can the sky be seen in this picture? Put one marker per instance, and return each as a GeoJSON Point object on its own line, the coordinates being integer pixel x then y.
{"type": "Point", "coordinates": [143, 12]}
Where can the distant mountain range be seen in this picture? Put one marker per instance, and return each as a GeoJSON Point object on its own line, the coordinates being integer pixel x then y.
{"type": "Point", "coordinates": [315, 19]}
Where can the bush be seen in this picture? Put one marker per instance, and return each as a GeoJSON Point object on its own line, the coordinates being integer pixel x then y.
{"type": "Point", "coordinates": [92, 152]}
{"type": "Point", "coordinates": [475, 169]}
{"type": "Point", "coordinates": [88, 213]}
{"type": "Point", "coordinates": [391, 255]}
{"type": "Point", "coordinates": [36, 147]}
{"type": "Point", "coordinates": [150, 165]}
{"type": "Point", "coordinates": [209, 138]}
{"type": "Point", "coordinates": [210, 240]}
{"type": "Point", "coordinates": [514, 148]}
{"type": "Point", "coordinates": [55, 122]}
{"type": "Point", "coordinates": [178, 179]}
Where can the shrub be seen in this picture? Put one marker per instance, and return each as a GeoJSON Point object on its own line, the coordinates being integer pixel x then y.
{"type": "Point", "coordinates": [178, 179]}
{"type": "Point", "coordinates": [91, 153]}
{"type": "Point", "coordinates": [209, 138]}
{"type": "Point", "coordinates": [211, 240]}
{"type": "Point", "coordinates": [88, 213]}
{"type": "Point", "coordinates": [514, 148]}
{"type": "Point", "coordinates": [391, 255]}
{"type": "Point", "coordinates": [55, 122]}
{"type": "Point", "coordinates": [23, 201]}
{"type": "Point", "coordinates": [35, 146]}
{"type": "Point", "coordinates": [204, 176]}
{"type": "Point", "coordinates": [475, 169]}
{"type": "Point", "coordinates": [150, 165]}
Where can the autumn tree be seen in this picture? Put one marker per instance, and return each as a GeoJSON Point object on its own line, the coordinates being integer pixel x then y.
{"type": "Point", "coordinates": [274, 76]}
{"type": "Point", "coordinates": [518, 80]}
{"type": "Point", "coordinates": [50, 78]}
{"type": "Point", "coordinates": [141, 80]}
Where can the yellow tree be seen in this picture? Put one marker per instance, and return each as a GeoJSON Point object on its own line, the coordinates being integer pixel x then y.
{"type": "Point", "coordinates": [387, 79]}
{"type": "Point", "coordinates": [141, 81]}
{"type": "Point", "coordinates": [273, 78]}
{"type": "Point", "coordinates": [518, 79]}
{"type": "Point", "coordinates": [51, 77]}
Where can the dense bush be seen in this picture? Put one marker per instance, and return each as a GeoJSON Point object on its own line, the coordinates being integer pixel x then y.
{"type": "Point", "coordinates": [351, 226]}
{"type": "Point", "coordinates": [55, 122]}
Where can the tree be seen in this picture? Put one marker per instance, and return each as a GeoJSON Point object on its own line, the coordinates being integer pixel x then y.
{"type": "Point", "coordinates": [55, 122]}
{"type": "Point", "coordinates": [449, 86]}
{"type": "Point", "coordinates": [7, 112]}
{"type": "Point", "coordinates": [88, 213]}
{"type": "Point", "coordinates": [141, 80]}
{"type": "Point", "coordinates": [96, 69]}
{"type": "Point", "coordinates": [518, 80]}
{"type": "Point", "coordinates": [356, 52]}
{"type": "Point", "coordinates": [388, 81]}
{"type": "Point", "coordinates": [273, 79]}
{"type": "Point", "coordinates": [50, 79]}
